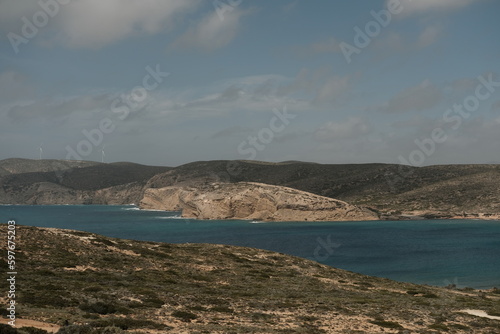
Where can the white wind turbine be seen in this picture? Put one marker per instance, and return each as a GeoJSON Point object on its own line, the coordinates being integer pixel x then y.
{"type": "Point", "coordinates": [102, 153]}
{"type": "Point", "coordinates": [41, 151]}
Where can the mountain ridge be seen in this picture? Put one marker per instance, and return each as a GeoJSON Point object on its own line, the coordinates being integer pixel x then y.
{"type": "Point", "coordinates": [395, 191]}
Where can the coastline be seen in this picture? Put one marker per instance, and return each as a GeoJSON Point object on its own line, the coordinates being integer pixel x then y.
{"type": "Point", "coordinates": [383, 216]}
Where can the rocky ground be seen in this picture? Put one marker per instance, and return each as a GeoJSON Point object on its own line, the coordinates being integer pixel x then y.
{"type": "Point", "coordinates": [254, 201]}
{"type": "Point", "coordinates": [87, 283]}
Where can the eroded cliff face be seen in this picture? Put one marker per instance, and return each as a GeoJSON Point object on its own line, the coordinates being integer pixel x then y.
{"type": "Point", "coordinates": [249, 200]}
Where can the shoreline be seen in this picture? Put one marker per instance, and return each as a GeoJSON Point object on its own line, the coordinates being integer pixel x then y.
{"type": "Point", "coordinates": [389, 216]}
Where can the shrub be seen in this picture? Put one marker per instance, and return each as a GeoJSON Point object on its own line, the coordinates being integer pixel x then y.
{"type": "Point", "coordinates": [223, 309]}
{"type": "Point", "coordinates": [98, 307]}
{"type": "Point", "coordinates": [439, 326]}
{"type": "Point", "coordinates": [184, 316]}
{"type": "Point", "coordinates": [430, 295]}
{"type": "Point", "coordinates": [128, 323]}
{"type": "Point", "coordinates": [86, 329]}
{"type": "Point", "coordinates": [6, 329]}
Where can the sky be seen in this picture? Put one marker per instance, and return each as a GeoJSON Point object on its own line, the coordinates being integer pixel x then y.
{"type": "Point", "coordinates": [167, 82]}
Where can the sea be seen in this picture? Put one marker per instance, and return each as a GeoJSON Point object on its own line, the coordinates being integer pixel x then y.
{"type": "Point", "coordinates": [465, 253]}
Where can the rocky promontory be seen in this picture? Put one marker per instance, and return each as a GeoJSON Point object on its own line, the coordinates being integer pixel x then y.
{"type": "Point", "coordinates": [250, 200]}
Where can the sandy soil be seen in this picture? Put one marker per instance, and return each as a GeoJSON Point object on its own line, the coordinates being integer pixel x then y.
{"type": "Point", "coordinates": [51, 328]}
{"type": "Point", "coordinates": [480, 313]}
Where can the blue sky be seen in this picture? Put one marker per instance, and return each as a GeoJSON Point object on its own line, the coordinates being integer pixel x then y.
{"type": "Point", "coordinates": [264, 80]}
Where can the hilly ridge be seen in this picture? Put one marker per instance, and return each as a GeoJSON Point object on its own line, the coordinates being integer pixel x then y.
{"type": "Point", "coordinates": [393, 190]}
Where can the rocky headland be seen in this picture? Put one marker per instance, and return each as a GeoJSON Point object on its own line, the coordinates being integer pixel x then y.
{"type": "Point", "coordinates": [249, 200]}
{"type": "Point", "coordinates": [391, 191]}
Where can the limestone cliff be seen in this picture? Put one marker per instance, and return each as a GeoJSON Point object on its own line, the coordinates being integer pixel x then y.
{"type": "Point", "coordinates": [249, 200]}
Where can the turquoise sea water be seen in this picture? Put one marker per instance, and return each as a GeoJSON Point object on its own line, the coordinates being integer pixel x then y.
{"type": "Point", "coordinates": [439, 252]}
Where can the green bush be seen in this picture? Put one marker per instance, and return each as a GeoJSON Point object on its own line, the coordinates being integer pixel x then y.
{"type": "Point", "coordinates": [98, 307]}
{"type": "Point", "coordinates": [31, 330]}
{"type": "Point", "coordinates": [223, 309]}
{"type": "Point", "coordinates": [430, 295]}
{"type": "Point", "coordinates": [128, 323]}
{"type": "Point", "coordinates": [184, 316]}
{"type": "Point", "coordinates": [439, 326]}
{"type": "Point", "coordinates": [6, 329]}
{"type": "Point", "coordinates": [86, 329]}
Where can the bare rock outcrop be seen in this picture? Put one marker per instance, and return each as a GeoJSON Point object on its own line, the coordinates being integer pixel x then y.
{"type": "Point", "coordinates": [249, 200]}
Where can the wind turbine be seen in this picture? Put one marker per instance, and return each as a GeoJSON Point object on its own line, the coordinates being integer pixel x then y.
{"type": "Point", "coordinates": [102, 153]}
{"type": "Point", "coordinates": [41, 151]}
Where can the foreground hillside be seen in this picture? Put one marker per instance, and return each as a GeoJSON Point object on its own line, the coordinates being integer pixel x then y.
{"type": "Point", "coordinates": [74, 278]}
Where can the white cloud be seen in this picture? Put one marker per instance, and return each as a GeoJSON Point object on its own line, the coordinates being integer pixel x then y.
{"type": "Point", "coordinates": [332, 90]}
{"type": "Point", "coordinates": [350, 128]}
{"type": "Point", "coordinates": [421, 97]}
{"type": "Point", "coordinates": [414, 7]}
{"type": "Point", "coordinates": [496, 107]}
{"type": "Point", "coordinates": [95, 23]}
{"type": "Point", "coordinates": [397, 43]}
{"type": "Point", "coordinates": [291, 6]}
{"type": "Point", "coordinates": [329, 45]}
{"type": "Point", "coordinates": [14, 86]}
{"type": "Point", "coordinates": [59, 109]}
{"type": "Point", "coordinates": [231, 132]}
{"type": "Point", "coordinates": [211, 32]}
{"type": "Point", "coordinates": [429, 36]}
{"type": "Point", "coordinates": [11, 12]}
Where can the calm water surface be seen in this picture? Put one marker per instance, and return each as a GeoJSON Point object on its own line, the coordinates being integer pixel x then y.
{"type": "Point", "coordinates": [436, 252]}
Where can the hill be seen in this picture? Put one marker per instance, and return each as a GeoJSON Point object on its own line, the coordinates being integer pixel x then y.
{"type": "Point", "coordinates": [433, 191]}
{"type": "Point", "coordinates": [250, 200]}
{"type": "Point", "coordinates": [72, 182]}
{"type": "Point", "coordinates": [76, 278]}
{"type": "Point", "coordinates": [394, 191]}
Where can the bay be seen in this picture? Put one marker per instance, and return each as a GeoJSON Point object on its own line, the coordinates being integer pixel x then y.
{"type": "Point", "coordinates": [434, 252]}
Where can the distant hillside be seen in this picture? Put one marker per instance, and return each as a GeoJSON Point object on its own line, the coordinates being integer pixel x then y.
{"type": "Point", "coordinates": [440, 190]}
{"type": "Point", "coordinates": [19, 166]}
{"type": "Point", "coordinates": [87, 280]}
{"type": "Point", "coordinates": [393, 190]}
{"type": "Point", "coordinates": [67, 182]}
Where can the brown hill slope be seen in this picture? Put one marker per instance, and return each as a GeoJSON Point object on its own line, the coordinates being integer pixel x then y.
{"type": "Point", "coordinates": [391, 189]}
{"type": "Point", "coordinates": [250, 200]}
{"type": "Point", "coordinates": [82, 278]}
{"type": "Point", "coordinates": [447, 189]}
{"type": "Point", "coordinates": [67, 182]}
